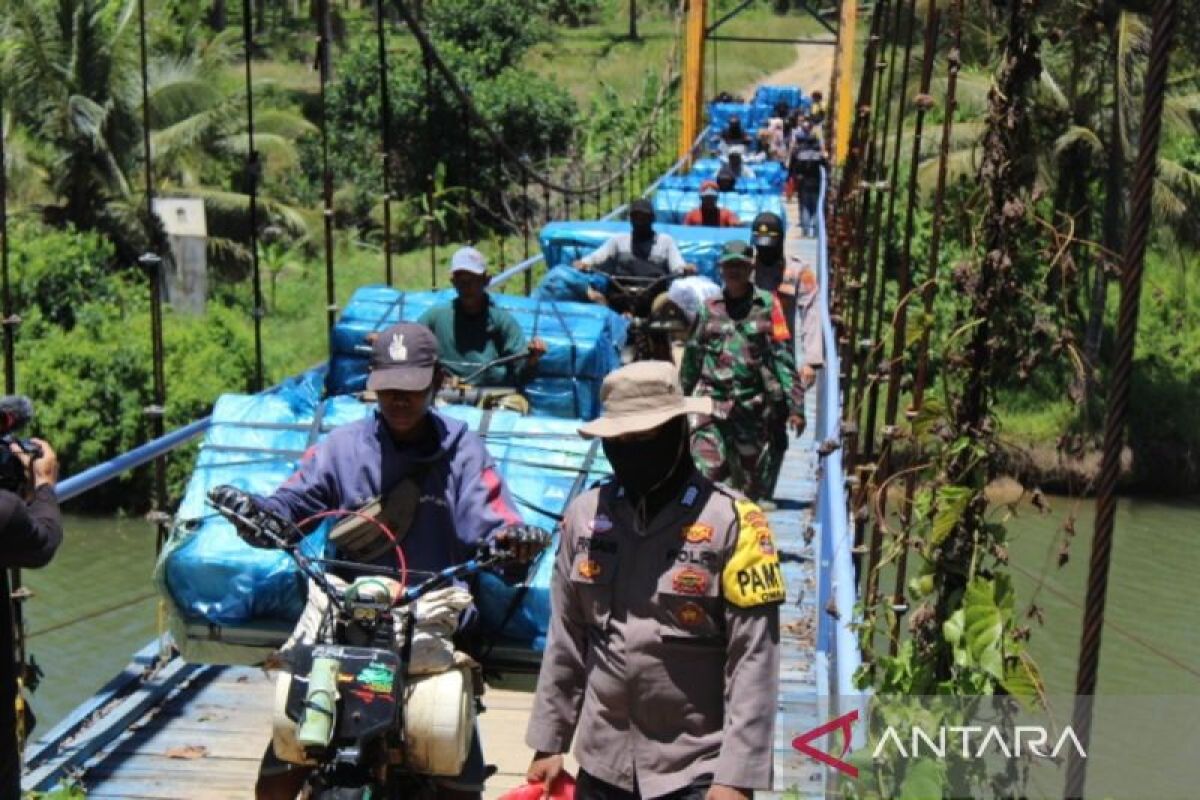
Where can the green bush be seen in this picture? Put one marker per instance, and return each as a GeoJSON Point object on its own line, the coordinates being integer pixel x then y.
{"type": "Point", "coordinates": [58, 272]}
{"type": "Point", "coordinates": [533, 115]}
{"type": "Point", "coordinates": [90, 385]}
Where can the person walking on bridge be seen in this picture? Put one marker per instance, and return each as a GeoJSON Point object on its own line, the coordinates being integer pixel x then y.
{"type": "Point", "coordinates": [708, 213]}
{"type": "Point", "coordinates": [662, 659]}
{"type": "Point", "coordinates": [740, 355]}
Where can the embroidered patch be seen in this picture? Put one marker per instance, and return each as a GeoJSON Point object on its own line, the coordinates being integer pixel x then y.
{"type": "Point", "coordinates": [752, 576]}
{"type": "Point", "coordinates": [689, 497]}
{"type": "Point", "coordinates": [698, 533]}
{"type": "Point", "coordinates": [600, 524]}
{"type": "Point", "coordinates": [691, 614]}
{"type": "Point", "coordinates": [590, 569]}
{"type": "Point", "coordinates": [689, 580]}
{"type": "Point", "coordinates": [756, 519]}
{"type": "Point", "coordinates": [397, 350]}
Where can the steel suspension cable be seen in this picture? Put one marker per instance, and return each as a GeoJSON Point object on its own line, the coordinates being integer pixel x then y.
{"type": "Point", "coordinates": [900, 322]}
{"type": "Point", "coordinates": [1164, 23]}
{"type": "Point", "coordinates": [9, 322]}
{"type": "Point", "coordinates": [888, 253]}
{"type": "Point", "coordinates": [860, 312]}
{"type": "Point", "coordinates": [865, 344]}
{"type": "Point", "coordinates": [325, 72]}
{"type": "Point", "coordinates": [11, 602]}
{"type": "Point", "coordinates": [253, 169]}
{"type": "Point", "coordinates": [859, 200]}
{"type": "Point", "coordinates": [850, 191]}
{"type": "Point", "coordinates": [385, 114]}
{"type": "Point", "coordinates": [864, 196]}
{"type": "Point", "coordinates": [871, 365]}
{"type": "Point", "coordinates": [512, 157]}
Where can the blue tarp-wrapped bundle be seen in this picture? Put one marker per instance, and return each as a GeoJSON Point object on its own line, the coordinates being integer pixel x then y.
{"type": "Point", "coordinates": [671, 205]}
{"type": "Point", "coordinates": [232, 603]}
{"type": "Point", "coordinates": [768, 96]}
{"type": "Point", "coordinates": [583, 342]}
{"type": "Point", "coordinates": [719, 115]}
{"type": "Point", "coordinates": [772, 172]}
{"type": "Point", "coordinates": [691, 183]}
{"type": "Point", "coordinates": [563, 242]}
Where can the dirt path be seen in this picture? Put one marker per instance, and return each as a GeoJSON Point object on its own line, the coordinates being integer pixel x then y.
{"type": "Point", "coordinates": [812, 69]}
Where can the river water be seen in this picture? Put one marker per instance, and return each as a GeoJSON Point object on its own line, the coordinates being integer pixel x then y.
{"type": "Point", "coordinates": [95, 604]}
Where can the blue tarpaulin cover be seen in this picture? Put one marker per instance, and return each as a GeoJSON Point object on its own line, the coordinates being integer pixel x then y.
{"type": "Point", "coordinates": [211, 578]}
{"type": "Point", "coordinates": [691, 183]}
{"type": "Point", "coordinates": [583, 343]}
{"type": "Point", "coordinates": [772, 172]}
{"type": "Point", "coordinates": [563, 242]}
{"type": "Point", "coordinates": [768, 96]}
{"type": "Point", "coordinates": [670, 205]}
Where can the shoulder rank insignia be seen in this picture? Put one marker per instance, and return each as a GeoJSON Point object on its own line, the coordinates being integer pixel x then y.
{"type": "Point", "coordinates": [752, 576]}
{"type": "Point", "coordinates": [600, 524]}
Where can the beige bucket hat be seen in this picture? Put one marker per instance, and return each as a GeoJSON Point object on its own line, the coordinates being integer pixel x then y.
{"type": "Point", "coordinates": [641, 396]}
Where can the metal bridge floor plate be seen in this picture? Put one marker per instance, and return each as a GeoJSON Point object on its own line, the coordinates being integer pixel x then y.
{"type": "Point", "coordinates": [206, 740]}
{"type": "Point", "coordinates": [803, 674]}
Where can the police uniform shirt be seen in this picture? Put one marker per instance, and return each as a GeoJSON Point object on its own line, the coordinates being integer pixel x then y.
{"type": "Point", "coordinates": [662, 658]}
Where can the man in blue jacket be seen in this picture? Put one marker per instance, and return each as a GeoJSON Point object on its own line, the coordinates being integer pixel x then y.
{"type": "Point", "coordinates": [457, 500]}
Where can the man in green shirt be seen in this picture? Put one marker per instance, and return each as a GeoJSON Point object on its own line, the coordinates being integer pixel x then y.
{"type": "Point", "coordinates": [472, 331]}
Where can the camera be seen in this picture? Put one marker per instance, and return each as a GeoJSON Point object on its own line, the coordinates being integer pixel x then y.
{"type": "Point", "coordinates": [13, 475]}
{"type": "Point", "coordinates": [15, 412]}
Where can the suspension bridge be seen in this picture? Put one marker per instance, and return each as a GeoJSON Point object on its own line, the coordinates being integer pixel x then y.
{"type": "Point", "coordinates": [169, 728]}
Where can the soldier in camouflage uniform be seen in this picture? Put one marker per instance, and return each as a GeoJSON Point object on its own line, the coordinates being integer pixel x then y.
{"type": "Point", "coordinates": [740, 355]}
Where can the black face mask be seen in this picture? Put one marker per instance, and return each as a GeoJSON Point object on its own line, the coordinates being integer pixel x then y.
{"type": "Point", "coordinates": [642, 466]}
{"type": "Point", "coordinates": [642, 230]}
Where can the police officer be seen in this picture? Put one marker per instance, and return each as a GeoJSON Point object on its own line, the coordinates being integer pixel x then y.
{"type": "Point", "coordinates": [740, 356]}
{"type": "Point", "coordinates": [662, 658]}
{"type": "Point", "coordinates": [794, 285]}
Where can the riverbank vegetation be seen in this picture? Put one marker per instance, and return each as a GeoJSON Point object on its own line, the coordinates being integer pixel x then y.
{"type": "Point", "coordinates": [1085, 110]}
{"type": "Point", "coordinates": [562, 85]}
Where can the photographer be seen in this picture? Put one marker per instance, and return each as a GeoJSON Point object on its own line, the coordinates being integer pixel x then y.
{"type": "Point", "coordinates": [30, 532]}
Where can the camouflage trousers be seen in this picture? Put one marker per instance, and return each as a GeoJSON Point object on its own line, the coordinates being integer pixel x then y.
{"type": "Point", "coordinates": [744, 451]}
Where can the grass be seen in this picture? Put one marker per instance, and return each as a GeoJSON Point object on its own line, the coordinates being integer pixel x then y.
{"type": "Point", "coordinates": [294, 335]}
{"type": "Point", "coordinates": [589, 61]}
{"type": "Point", "coordinates": [589, 58]}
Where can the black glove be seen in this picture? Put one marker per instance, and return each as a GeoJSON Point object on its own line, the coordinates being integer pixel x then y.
{"type": "Point", "coordinates": [522, 542]}
{"type": "Point", "coordinates": [255, 525]}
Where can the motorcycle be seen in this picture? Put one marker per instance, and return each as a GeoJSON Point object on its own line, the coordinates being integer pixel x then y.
{"type": "Point", "coordinates": [656, 324]}
{"type": "Point", "coordinates": [346, 704]}
{"type": "Point", "coordinates": [464, 391]}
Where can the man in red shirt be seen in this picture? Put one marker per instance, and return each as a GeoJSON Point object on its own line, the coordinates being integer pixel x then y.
{"type": "Point", "coordinates": [709, 213]}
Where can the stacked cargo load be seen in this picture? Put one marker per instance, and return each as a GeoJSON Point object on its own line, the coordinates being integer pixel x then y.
{"type": "Point", "coordinates": [234, 604]}
{"type": "Point", "coordinates": [564, 242]}
{"type": "Point", "coordinates": [583, 342]}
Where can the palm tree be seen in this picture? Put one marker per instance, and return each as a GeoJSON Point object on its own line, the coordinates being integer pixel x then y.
{"type": "Point", "coordinates": [77, 93]}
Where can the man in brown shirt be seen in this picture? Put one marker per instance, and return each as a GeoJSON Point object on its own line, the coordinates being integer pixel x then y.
{"type": "Point", "coordinates": [662, 658]}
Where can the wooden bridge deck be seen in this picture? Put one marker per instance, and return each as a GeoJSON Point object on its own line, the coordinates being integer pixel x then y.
{"type": "Point", "coordinates": [199, 731]}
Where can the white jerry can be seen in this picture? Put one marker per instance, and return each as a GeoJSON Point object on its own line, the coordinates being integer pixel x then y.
{"type": "Point", "coordinates": [439, 720]}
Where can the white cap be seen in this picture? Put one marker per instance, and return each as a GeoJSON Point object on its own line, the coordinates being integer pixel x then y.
{"type": "Point", "coordinates": [468, 259]}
